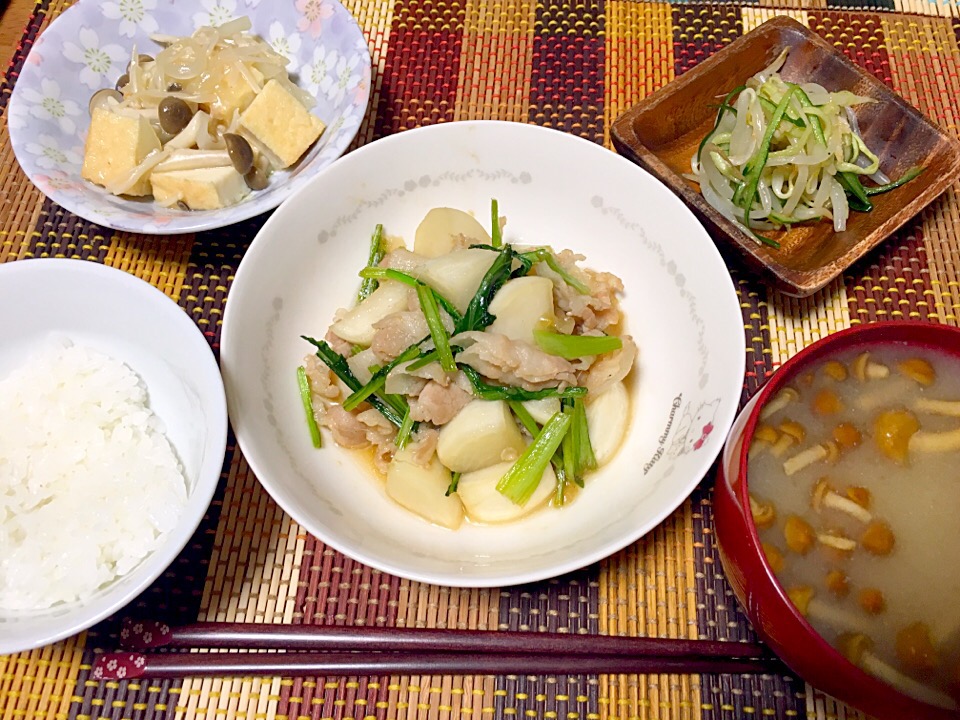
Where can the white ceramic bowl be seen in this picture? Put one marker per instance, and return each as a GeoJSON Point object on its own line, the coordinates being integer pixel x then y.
{"type": "Point", "coordinates": [555, 189]}
{"type": "Point", "coordinates": [88, 48]}
{"type": "Point", "coordinates": [130, 320]}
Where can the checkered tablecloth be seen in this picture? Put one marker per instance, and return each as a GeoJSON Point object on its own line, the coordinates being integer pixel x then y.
{"type": "Point", "coordinates": [574, 65]}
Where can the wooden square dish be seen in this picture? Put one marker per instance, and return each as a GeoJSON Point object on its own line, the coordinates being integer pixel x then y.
{"type": "Point", "coordinates": [663, 131]}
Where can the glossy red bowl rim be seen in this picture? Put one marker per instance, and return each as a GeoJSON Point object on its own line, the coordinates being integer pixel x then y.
{"type": "Point", "coordinates": [836, 675]}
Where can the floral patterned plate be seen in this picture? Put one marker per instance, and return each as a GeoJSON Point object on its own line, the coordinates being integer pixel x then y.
{"type": "Point", "coordinates": [88, 47]}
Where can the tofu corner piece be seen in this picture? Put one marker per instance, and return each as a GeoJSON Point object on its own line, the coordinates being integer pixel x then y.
{"type": "Point", "coordinates": [115, 145]}
{"type": "Point", "coordinates": [233, 93]}
{"type": "Point", "coordinates": [281, 124]}
{"type": "Point", "coordinates": [199, 189]}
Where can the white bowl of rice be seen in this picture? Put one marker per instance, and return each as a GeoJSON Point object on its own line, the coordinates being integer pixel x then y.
{"type": "Point", "coordinates": [113, 429]}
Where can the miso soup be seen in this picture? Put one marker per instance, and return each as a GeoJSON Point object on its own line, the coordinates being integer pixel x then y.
{"type": "Point", "coordinates": [854, 474]}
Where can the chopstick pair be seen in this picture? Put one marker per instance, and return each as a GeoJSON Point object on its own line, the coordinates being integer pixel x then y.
{"type": "Point", "coordinates": [312, 650]}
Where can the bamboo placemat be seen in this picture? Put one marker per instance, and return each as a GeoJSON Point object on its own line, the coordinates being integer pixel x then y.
{"type": "Point", "coordinates": [570, 64]}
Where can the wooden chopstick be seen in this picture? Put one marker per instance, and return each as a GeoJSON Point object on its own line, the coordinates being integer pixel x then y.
{"type": "Point", "coordinates": [131, 665]}
{"type": "Point", "coordinates": [320, 650]}
{"type": "Point", "coordinates": [146, 635]}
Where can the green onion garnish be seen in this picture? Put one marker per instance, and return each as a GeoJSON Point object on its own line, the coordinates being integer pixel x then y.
{"type": "Point", "coordinates": [306, 398]}
{"type": "Point", "coordinates": [379, 379]}
{"type": "Point", "coordinates": [522, 479]}
{"type": "Point", "coordinates": [575, 346]}
{"type": "Point", "coordinates": [544, 255]}
{"type": "Point", "coordinates": [486, 391]}
{"type": "Point", "coordinates": [588, 460]}
{"type": "Point", "coordinates": [524, 416]}
{"type": "Point", "coordinates": [428, 303]}
{"type": "Point", "coordinates": [477, 315]}
{"type": "Point", "coordinates": [559, 495]}
{"type": "Point", "coordinates": [406, 279]}
{"type": "Point", "coordinates": [454, 482]}
{"type": "Point", "coordinates": [406, 428]}
{"type": "Point", "coordinates": [571, 468]}
{"type": "Point", "coordinates": [578, 455]}
{"type": "Point", "coordinates": [495, 235]}
{"type": "Point", "coordinates": [375, 256]}
{"type": "Point", "coordinates": [389, 406]}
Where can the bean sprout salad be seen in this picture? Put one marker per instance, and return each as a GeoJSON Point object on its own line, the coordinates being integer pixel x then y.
{"type": "Point", "coordinates": [783, 153]}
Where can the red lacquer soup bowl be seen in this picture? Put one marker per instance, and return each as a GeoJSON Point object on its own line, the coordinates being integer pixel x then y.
{"type": "Point", "coordinates": [774, 616]}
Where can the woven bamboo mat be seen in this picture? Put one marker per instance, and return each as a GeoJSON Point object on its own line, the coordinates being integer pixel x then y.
{"type": "Point", "coordinates": [571, 64]}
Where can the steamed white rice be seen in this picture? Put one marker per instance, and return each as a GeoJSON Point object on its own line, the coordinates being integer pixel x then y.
{"type": "Point", "coordinates": [89, 485]}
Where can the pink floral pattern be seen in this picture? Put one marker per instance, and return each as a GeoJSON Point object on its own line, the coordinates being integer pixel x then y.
{"type": "Point", "coordinates": [144, 635]}
{"type": "Point", "coordinates": [315, 12]}
{"type": "Point", "coordinates": [118, 666]}
{"type": "Point", "coordinates": [87, 47]}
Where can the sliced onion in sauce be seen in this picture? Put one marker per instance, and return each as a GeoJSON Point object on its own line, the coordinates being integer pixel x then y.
{"type": "Point", "coordinates": [183, 60]}
{"type": "Point", "coordinates": [190, 159]}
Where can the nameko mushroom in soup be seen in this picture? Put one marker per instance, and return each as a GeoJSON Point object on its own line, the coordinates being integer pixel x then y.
{"type": "Point", "coordinates": [855, 496]}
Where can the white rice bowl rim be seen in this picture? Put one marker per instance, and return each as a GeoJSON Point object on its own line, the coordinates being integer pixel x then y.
{"type": "Point", "coordinates": [64, 308]}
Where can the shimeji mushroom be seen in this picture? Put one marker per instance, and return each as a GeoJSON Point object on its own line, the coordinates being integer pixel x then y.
{"type": "Point", "coordinates": [774, 557]}
{"type": "Point", "coordinates": [778, 402]}
{"type": "Point", "coordinates": [935, 442]}
{"type": "Point", "coordinates": [825, 497]}
{"type": "Point", "coordinates": [878, 538]}
{"type": "Point", "coordinates": [805, 600]}
{"type": "Point", "coordinates": [858, 647]}
{"type": "Point", "coordinates": [847, 436]}
{"type": "Point", "coordinates": [801, 598]}
{"type": "Point", "coordinates": [918, 369]}
{"type": "Point", "coordinates": [893, 431]}
{"type": "Point", "coordinates": [791, 433]}
{"type": "Point", "coordinates": [826, 402]}
{"type": "Point", "coordinates": [783, 443]}
{"type": "Point", "coordinates": [915, 649]}
{"type": "Point", "coordinates": [763, 436]}
{"type": "Point", "coordinates": [860, 495]}
{"type": "Point", "coordinates": [883, 395]}
{"type": "Point", "coordinates": [835, 370]}
{"type": "Point", "coordinates": [794, 429]}
{"type": "Point", "coordinates": [838, 583]}
{"type": "Point", "coordinates": [864, 368]}
{"type": "Point", "coordinates": [824, 451]}
{"type": "Point", "coordinates": [837, 541]}
{"type": "Point", "coordinates": [798, 534]}
{"type": "Point", "coordinates": [950, 408]}
{"type": "Point", "coordinates": [872, 600]}
{"type": "Point", "coordinates": [763, 512]}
